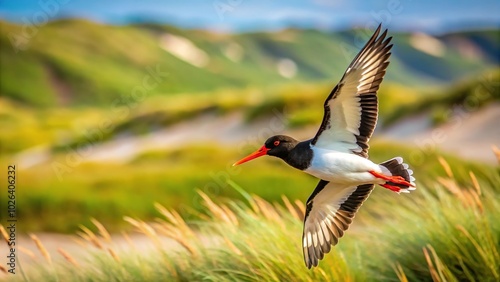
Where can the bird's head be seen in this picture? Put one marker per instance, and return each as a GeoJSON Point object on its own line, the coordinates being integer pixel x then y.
{"type": "Point", "coordinates": [277, 146]}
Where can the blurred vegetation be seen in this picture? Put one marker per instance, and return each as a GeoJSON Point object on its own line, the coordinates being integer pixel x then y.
{"type": "Point", "coordinates": [77, 62]}
{"type": "Point", "coordinates": [446, 230]}
{"type": "Point", "coordinates": [467, 95]}
{"type": "Point", "coordinates": [72, 85]}
{"type": "Point", "coordinates": [172, 177]}
{"type": "Point", "coordinates": [109, 190]}
{"type": "Point", "coordinates": [63, 129]}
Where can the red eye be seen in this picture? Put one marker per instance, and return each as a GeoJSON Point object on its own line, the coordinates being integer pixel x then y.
{"type": "Point", "coordinates": [276, 143]}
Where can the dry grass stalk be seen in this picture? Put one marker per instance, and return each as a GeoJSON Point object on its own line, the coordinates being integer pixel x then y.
{"type": "Point", "coordinates": [171, 216]}
{"type": "Point", "coordinates": [145, 229]}
{"type": "Point", "coordinates": [478, 247]}
{"type": "Point", "coordinates": [90, 236]}
{"type": "Point", "coordinates": [129, 241]}
{"type": "Point", "coordinates": [432, 269]}
{"type": "Point", "coordinates": [496, 151]}
{"type": "Point", "coordinates": [232, 246]}
{"type": "Point", "coordinates": [5, 235]}
{"type": "Point", "coordinates": [451, 185]}
{"type": "Point", "coordinates": [264, 207]}
{"type": "Point", "coordinates": [177, 221]}
{"type": "Point", "coordinates": [324, 275]}
{"type": "Point", "coordinates": [267, 209]}
{"type": "Point", "coordinates": [41, 248]}
{"type": "Point", "coordinates": [215, 209]}
{"type": "Point", "coordinates": [230, 214]}
{"type": "Point", "coordinates": [442, 270]}
{"type": "Point", "coordinates": [177, 235]}
{"type": "Point", "coordinates": [275, 215]}
{"type": "Point", "coordinates": [400, 273]}
{"type": "Point", "coordinates": [27, 252]}
{"type": "Point", "coordinates": [468, 198]}
{"type": "Point", "coordinates": [102, 230]}
{"type": "Point", "coordinates": [253, 205]}
{"type": "Point", "coordinates": [250, 245]}
{"type": "Point", "coordinates": [79, 241]}
{"type": "Point", "coordinates": [278, 208]}
{"type": "Point", "coordinates": [475, 183]}
{"type": "Point", "coordinates": [476, 200]}
{"type": "Point", "coordinates": [85, 237]}
{"type": "Point", "coordinates": [302, 209]}
{"type": "Point", "coordinates": [171, 268]}
{"type": "Point", "coordinates": [114, 255]}
{"type": "Point", "coordinates": [68, 257]}
{"type": "Point", "coordinates": [291, 209]}
{"type": "Point", "coordinates": [446, 166]}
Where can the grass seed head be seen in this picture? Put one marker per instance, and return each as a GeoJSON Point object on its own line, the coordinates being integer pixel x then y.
{"type": "Point", "coordinates": [41, 248]}
{"type": "Point", "coordinates": [4, 234]}
{"type": "Point", "coordinates": [102, 230]}
{"type": "Point", "coordinates": [68, 257]}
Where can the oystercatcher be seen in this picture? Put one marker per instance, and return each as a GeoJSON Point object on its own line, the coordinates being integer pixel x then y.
{"type": "Point", "coordinates": [338, 154]}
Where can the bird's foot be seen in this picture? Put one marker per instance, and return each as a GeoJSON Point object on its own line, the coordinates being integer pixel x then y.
{"type": "Point", "coordinates": [395, 188]}
{"type": "Point", "coordinates": [393, 179]}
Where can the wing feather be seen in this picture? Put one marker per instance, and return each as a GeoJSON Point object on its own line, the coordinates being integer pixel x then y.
{"type": "Point", "coordinates": [351, 109]}
{"type": "Point", "coordinates": [329, 212]}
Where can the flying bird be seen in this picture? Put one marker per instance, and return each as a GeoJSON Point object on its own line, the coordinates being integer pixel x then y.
{"type": "Point", "coordinates": [338, 153]}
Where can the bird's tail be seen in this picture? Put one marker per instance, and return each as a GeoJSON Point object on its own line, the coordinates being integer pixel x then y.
{"type": "Point", "coordinates": [396, 167]}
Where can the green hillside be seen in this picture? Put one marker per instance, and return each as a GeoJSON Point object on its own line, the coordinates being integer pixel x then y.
{"type": "Point", "coordinates": [76, 62]}
{"type": "Point", "coordinates": [472, 93]}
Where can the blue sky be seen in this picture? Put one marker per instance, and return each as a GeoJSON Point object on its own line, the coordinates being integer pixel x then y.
{"type": "Point", "coordinates": [242, 15]}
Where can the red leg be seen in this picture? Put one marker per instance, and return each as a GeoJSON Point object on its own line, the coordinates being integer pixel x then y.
{"type": "Point", "coordinates": [394, 179]}
{"type": "Point", "coordinates": [392, 188]}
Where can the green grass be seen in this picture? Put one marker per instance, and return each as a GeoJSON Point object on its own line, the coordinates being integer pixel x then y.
{"type": "Point", "coordinates": [467, 95]}
{"type": "Point", "coordinates": [446, 230]}
{"type": "Point", "coordinates": [107, 191]}
{"type": "Point", "coordinates": [60, 129]}
{"type": "Point", "coordinates": [78, 62]}
{"type": "Point", "coordinates": [171, 177]}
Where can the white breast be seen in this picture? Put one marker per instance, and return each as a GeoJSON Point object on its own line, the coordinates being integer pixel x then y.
{"type": "Point", "coordinates": [341, 167]}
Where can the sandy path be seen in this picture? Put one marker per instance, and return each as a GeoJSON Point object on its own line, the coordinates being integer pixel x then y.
{"type": "Point", "coordinates": [28, 255]}
{"type": "Point", "coordinates": [469, 135]}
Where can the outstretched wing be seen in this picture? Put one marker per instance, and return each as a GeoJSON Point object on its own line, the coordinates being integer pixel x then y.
{"type": "Point", "coordinates": [329, 212]}
{"type": "Point", "coordinates": [351, 109]}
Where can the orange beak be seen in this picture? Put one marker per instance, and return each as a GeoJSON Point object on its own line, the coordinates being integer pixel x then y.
{"type": "Point", "coordinates": [259, 153]}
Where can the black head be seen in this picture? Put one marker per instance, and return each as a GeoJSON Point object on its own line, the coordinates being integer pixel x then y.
{"type": "Point", "coordinates": [278, 146]}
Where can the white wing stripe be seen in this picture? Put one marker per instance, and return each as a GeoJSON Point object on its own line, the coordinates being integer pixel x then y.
{"type": "Point", "coordinates": [326, 231]}
{"type": "Point", "coordinates": [329, 213]}
{"type": "Point", "coordinates": [315, 236]}
{"type": "Point", "coordinates": [351, 109]}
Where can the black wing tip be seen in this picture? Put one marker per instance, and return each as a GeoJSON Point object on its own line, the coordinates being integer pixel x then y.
{"type": "Point", "coordinates": [377, 31]}
{"type": "Point", "coordinates": [384, 34]}
{"type": "Point", "coordinates": [380, 40]}
{"type": "Point", "coordinates": [310, 259]}
{"type": "Point", "coordinates": [313, 262]}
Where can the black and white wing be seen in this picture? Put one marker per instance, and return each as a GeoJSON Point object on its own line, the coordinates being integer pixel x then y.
{"type": "Point", "coordinates": [329, 212]}
{"type": "Point", "coordinates": [351, 109]}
